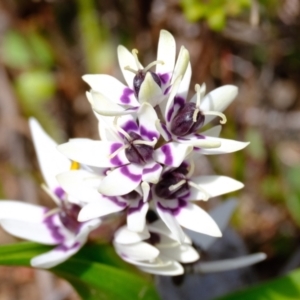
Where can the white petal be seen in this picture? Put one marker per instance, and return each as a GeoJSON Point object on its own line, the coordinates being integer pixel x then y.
{"type": "Point", "coordinates": [172, 269]}
{"type": "Point", "coordinates": [104, 106]}
{"type": "Point", "coordinates": [136, 216]}
{"type": "Point", "coordinates": [147, 119]}
{"type": "Point", "coordinates": [149, 91]}
{"type": "Point", "coordinates": [221, 214]}
{"type": "Point", "coordinates": [94, 153]}
{"type": "Point", "coordinates": [102, 207]}
{"type": "Point", "coordinates": [182, 253]}
{"type": "Point", "coordinates": [214, 185]}
{"type": "Point", "coordinates": [230, 264]}
{"type": "Point", "coordinates": [195, 218]}
{"type": "Point", "coordinates": [35, 232]}
{"type": "Point", "coordinates": [121, 180]}
{"type": "Point", "coordinates": [137, 252]}
{"type": "Point", "coordinates": [212, 132]}
{"type": "Point", "coordinates": [151, 172]}
{"type": "Point", "coordinates": [112, 89]}
{"type": "Point", "coordinates": [172, 154]}
{"type": "Point", "coordinates": [166, 52]}
{"type": "Point", "coordinates": [185, 83]}
{"type": "Point", "coordinates": [126, 59]}
{"type": "Point", "coordinates": [21, 211]}
{"type": "Point", "coordinates": [227, 146]}
{"type": "Point", "coordinates": [181, 64]}
{"type": "Point", "coordinates": [168, 215]}
{"type": "Point", "coordinates": [218, 100]}
{"type": "Point", "coordinates": [125, 236]}
{"type": "Point", "coordinates": [51, 161]}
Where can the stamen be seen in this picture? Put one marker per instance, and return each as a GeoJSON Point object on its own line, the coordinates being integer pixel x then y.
{"type": "Point", "coordinates": [196, 111]}
{"type": "Point", "coordinates": [75, 165]}
{"type": "Point", "coordinates": [191, 170]}
{"type": "Point", "coordinates": [177, 185]}
{"type": "Point", "coordinates": [216, 113]}
{"type": "Point", "coordinates": [196, 186]}
{"type": "Point", "coordinates": [135, 53]}
{"type": "Point", "coordinates": [131, 70]}
{"type": "Point", "coordinates": [156, 62]}
{"type": "Point", "coordinates": [112, 155]}
{"type": "Point", "coordinates": [51, 194]}
{"type": "Point", "coordinates": [200, 90]}
{"type": "Point", "coordinates": [52, 212]}
{"type": "Point", "coordinates": [121, 130]}
{"type": "Point", "coordinates": [148, 143]}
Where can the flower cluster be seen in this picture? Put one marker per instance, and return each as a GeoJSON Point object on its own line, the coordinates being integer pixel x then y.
{"type": "Point", "coordinates": [144, 164]}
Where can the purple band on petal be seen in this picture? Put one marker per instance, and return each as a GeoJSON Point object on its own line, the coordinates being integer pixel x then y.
{"type": "Point", "coordinates": [164, 78]}
{"type": "Point", "coordinates": [130, 126]}
{"type": "Point", "coordinates": [133, 209]}
{"type": "Point", "coordinates": [179, 101]}
{"type": "Point", "coordinates": [147, 133]}
{"type": "Point", "coordinates": [166, 150]}
{"type": "Point", "coordinates": [164, 127]}
{"type": "Point", "coordinates": [66, 248]}
{"type": "Point", "coordinates": [125, 98]}
{"type": "Point", "coordinates": [156, 167]}
{"type": "Point", "coordinates": [167, 90]}
{"type": "Point", "coordinates": [116, 160]}
{"type": "Point", "coordinates": [133, 177]}
{"type": "Point", "coordinates": [59, 192]}
{"type": "Point", "coordinates": [116, 201]}
{"type": "Point", "coordinates": [170, 113]}
{"type": "Point", "coordinates": [174, 211]}
{"type": "Point", "coordinates": [199, 136]}
{"type": "Point", "coordinates": [54, 229]}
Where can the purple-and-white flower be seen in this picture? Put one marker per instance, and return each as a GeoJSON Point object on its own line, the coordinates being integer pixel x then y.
{"type": "Point", "coordinates": [183, 119]}
{"type": "Point", "coordinates": [110, 97]}
{"type": "Point", "coordinates": [175, 191]}
{"type": "Point", "coordinates": [154, 250]}
{"type": "Point", "coordinates": [59, 226]}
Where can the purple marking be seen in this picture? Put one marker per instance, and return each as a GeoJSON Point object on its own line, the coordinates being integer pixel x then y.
{"type": "Point", "coordinates": [199, 136]}
{"type": "Point", "coordinates": [147, 133]}
{"type": "Point", "coordinates": [174, 211]}
{"type": "Point", "coordinates": [66, 248]}
{"type": "Point", "coordinates": [116, 201]}
{"type": "Point", "coordinates": [166, 150]}
{"type": "Point", "coordinates": [164, 78]}
{"type": "Point", "coordinates": [164, 127]}
{"type": "Point", "coordinates": [130, 126]}
{"type": "Point", "coordinates": [54, 229]}
{"type": "Point", "coordinates": [59, 192]}
{"type": "Point", "coordinates": [125, 98]}
{"type": "Point", "coordinates": [179, 101]}
{"type": "Point", "coordinates": [116, 160]}
{"type": "Point", "coordinates": [133, 209]}
{"type": "Point", "coordinates": [170, 113]}
{"type": "Point", "coordinates": [156, 167]}
{"type": "Point", "coordinates": [180, 138]}
{"type": "Point", "coordinates": [167, 90]}
{"type": "Point", "coordinates": [133, 177]}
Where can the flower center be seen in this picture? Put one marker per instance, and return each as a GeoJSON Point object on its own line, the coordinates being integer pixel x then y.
{"type": "Point", "coordinates": [190, 118]}
{"type": "Point", "coordinates": [141, 73]}
{"type": "Point", "coordinates": [68, 215]}
{"type": "Point", "coordinates": [137, 150]}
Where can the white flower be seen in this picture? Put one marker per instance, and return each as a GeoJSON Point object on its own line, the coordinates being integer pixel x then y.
{"type": "Point", "coordinates": [39, 224]}
{"type": "Point", "coordinates": [182, 119]}
{"type": "Point", "coordinates": [174, 193]}
{"type": "Point", "coordinates": [110, 97]}
{"type": "Point", "coordinates": [154, 250]}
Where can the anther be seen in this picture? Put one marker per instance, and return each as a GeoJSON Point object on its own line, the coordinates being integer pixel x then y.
{"type": "Point", "coordinates": [177, 185]}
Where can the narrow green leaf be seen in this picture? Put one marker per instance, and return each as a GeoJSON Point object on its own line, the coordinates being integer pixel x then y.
{"type": "Point", "coordinates": [95, 272]}
{"type": "Point", "coordinates": [283, 288]}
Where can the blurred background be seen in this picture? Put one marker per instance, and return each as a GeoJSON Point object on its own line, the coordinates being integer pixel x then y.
{"type": "Point", "coordinates": [46, 46]}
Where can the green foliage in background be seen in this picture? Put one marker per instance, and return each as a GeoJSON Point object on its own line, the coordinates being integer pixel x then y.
{"type": "Point", "coordinates": [96, 272]}
{"type": "Point", "coordinates": [214, 12]}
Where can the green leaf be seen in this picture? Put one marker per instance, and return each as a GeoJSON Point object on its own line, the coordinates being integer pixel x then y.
{"type": "Point", "coordinates": [95, 272]}
{"type": "Point", "coordinates": [283, 288]}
